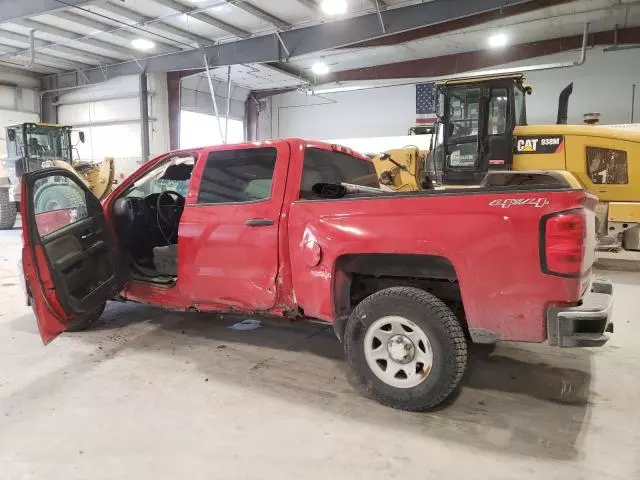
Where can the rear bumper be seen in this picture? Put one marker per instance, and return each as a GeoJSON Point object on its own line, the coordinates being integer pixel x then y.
{"type": "Point", "coordinates": [585, 325]}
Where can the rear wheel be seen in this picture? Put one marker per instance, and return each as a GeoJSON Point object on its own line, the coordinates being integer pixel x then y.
{"type": "Point", "coordinates": [406, 348]}
{"type": "Point", "coordinates": [87, 320]}
{"type": "Point", "coordinates": [8, 210]}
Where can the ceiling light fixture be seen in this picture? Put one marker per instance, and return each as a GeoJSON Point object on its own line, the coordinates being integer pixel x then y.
{"type": "Point", "coordinates": [498, 40]}
{"type": "Point", "coordinates": [320, 68]}
{"type": "Point", "coordinates": [347, 88]}
{"type": "Point", "coordinates": [142, 44]}
{"type": "Point", "coordinates": [334, 7]}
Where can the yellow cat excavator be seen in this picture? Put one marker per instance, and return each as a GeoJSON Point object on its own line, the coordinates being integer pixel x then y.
{"type": "Point", "coordinates": [33, 146]}
{"type": "Point", "coordinates": [482, 126]}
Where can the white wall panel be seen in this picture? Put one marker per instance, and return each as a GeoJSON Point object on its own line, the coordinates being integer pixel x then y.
{"type": "Point", "coordinates": [602, 84]}
{"type": "Point", "coordinates": [109, 115]}
{"type": "Point", "coordinates": [20, 78]}
{"type": "Point", "coordinates": [99, 111]}
{"type": "Point", "coordinates": [118, 85]}
{"type": "Point", "coordinates": [18, 98]}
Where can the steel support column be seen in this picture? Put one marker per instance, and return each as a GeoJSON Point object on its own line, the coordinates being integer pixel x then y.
{"type": "Point", "coordinates": [251, 114]}
{"type": "Point", "coordinates": [144, 117]}
{"type": "Point", "coordinates": [48, 108]}
{"type": "Point", "coordinates": [173, 93]}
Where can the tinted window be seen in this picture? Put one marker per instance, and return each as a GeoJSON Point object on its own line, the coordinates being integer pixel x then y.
{"type": "Point", "coordinates": [238, 176]}
{"type": "Point", "coordinates": [498, 111]}
{"type": "Point", "coordinates": [58, 202]}
{"type": "Point", "coordinates": [324, 166]}
{"type": "Point", "coordinates": [607, 166]}
{"type": "Point", "coordinates": [464, 110]}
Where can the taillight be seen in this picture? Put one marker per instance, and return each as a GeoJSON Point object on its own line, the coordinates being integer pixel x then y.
{"type": "Point", "coordinates": [563, 243]}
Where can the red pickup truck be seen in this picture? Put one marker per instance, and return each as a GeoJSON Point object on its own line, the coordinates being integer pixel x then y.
{"type": "Point", "coordinates": [406, 279]}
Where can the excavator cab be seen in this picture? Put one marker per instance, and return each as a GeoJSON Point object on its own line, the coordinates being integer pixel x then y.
{"type": "Point", "coordinates": [474, 130]}
{"type": "Point", "coordinates": [31, 147]}
{"type": "Point", "coordinates": [34, 146]}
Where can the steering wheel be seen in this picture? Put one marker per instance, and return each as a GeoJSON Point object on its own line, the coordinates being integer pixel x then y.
{"type": "Point", "coordinates": [169, 205]}
{"type": "Point", "coordinates": [459, 130]}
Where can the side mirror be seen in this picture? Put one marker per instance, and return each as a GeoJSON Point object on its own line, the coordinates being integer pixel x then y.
{"type": "Point", "coordinates": [385, 156]}
{"type": "Point", "coordinates": [81, 136]}
{"type": "Point", "coordinates": [11, 134]}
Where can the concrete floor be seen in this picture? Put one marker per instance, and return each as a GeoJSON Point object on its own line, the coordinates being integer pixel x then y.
{"type": "Point", "coordinates": [149, 394]}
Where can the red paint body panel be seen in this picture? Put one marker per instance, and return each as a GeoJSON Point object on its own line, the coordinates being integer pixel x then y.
{"type": "Point", "coordinates": [224, 264]}
{"type": "Point", "coordinates": [218, 252]}
{"type": "Point", "coordinates": [494, 251]}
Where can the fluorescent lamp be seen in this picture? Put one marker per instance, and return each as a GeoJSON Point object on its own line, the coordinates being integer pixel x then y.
{"type": "Point", "coordinates": [142, 44]}
{"type": "Point", "coordinates": [334, 7]}
{"type": "Point", "coordinates": [498, 40]}
{"type": "Point", "coordinates": [320, 68]}
{"type": "Point", "coordinates": [348, 88]}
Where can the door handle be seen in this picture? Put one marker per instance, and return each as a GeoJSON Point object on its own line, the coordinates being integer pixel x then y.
{"type": "Point", "coordinates": [86, 234]}
{"type": "Point", "coordinates": [258, 222]}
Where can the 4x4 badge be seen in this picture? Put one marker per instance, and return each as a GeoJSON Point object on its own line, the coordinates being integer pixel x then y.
{"type": "Point", "coordinates": [517, 202]}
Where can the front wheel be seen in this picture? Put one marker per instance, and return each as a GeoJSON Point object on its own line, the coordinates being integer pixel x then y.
{"type": "Point", "coordinates": [406, 348]}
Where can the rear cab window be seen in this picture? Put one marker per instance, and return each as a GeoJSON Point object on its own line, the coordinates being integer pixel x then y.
{"type": "Point", "coordinates": [327, 166]}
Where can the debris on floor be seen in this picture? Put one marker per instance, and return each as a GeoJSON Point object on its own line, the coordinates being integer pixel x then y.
{"type": "Point", "coordinates": [246, 325]}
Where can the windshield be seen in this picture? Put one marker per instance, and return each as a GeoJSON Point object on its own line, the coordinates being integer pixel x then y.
{"type": "Point", "coordinates": [521, 112]}
{"type": "Point", "coordinates": [464, 108]}
{"type": "Point", "coordinates": [47, 142]}
{"type": "Point", "coordinates": [163, 178]}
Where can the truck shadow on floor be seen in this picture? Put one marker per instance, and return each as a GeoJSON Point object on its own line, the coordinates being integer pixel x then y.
{"type": "Point", "coordinates": [513, 400]}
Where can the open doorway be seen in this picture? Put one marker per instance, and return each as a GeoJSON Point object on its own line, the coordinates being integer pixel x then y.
{"type": "Point", "coordinates": [201, 130]}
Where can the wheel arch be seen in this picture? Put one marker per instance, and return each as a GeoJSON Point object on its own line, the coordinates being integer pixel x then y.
{"type": "Point", "coordinates": [384, 270]}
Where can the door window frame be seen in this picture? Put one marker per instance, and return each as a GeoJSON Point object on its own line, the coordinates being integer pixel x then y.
{"type": "Point", "coordinates": [278, 180]}
{"type": "Point", "coordinates": [486, 89]}
{"type": "Point", "coordinates": [204, 161]}
{"type": "Point", "coordinates": [92, 204]}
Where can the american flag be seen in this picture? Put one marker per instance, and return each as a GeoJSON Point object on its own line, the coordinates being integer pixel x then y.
{"type": "Point", "coordinates": [426, 103]}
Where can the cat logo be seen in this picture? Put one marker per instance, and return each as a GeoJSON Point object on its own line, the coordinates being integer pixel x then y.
{"type": "Point", "coordinates": [538, 144]}
{"type": "Point", "coordinates": [527, 145]}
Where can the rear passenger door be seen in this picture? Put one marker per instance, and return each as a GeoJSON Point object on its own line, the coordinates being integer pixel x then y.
{"type": "Point", "coordinates": [228, 239]}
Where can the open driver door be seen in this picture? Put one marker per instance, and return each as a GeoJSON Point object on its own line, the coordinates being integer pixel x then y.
{"type": "Point", "coordinates": [69, 260]}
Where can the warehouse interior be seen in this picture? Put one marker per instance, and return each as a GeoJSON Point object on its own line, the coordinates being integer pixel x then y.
{"type": "Point", "coordinates": [150, 393]}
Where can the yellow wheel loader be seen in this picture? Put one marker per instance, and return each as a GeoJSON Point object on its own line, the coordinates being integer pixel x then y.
{"type": "Point", "coordinates": [33, 146]}
{"type": "Point", "coordinates": [482, 126]}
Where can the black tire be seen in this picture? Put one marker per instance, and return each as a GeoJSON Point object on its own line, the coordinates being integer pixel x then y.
{"type": "Point", "coordinates": [8, 210]}
{"type": "Point", "coordinates": [56, 196]}
{"type": "Point", "coordinates": [437, 322]}
{"type": "Point", "coordinates": [87, 320]}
